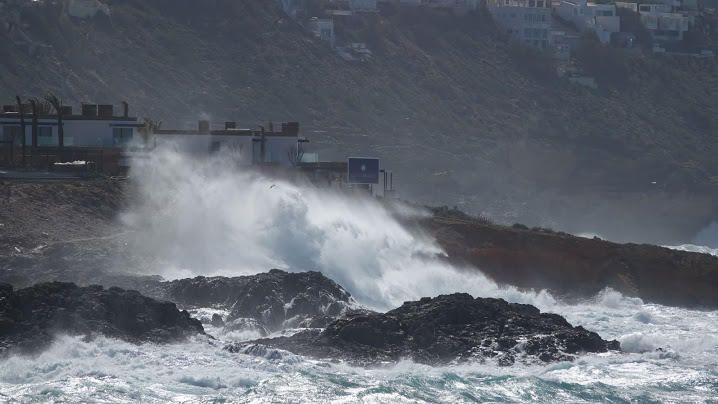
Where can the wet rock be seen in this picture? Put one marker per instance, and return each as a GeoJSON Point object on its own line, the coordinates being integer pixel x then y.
{"type": "Point", "coordinates": [31, 317]}
{"type": "Point", "coordinates": [445, 329]}
{"type": "Point", "coordinates": [272, 301]}
{"type": "Point", "coordinates": [217, 320]}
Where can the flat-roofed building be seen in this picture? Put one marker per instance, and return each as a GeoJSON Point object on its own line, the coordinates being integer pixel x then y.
{"type": "Point", "coordinates": [527, 21]}
{"type": "Point", "coordinates": [586, 16]}
{"type": "Point", "coordinates": [282, 147]}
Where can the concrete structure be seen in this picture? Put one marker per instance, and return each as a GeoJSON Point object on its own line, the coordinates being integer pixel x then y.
{"type": "Point", "coordinates": [666, 20]}
{"type": "Point", "coordinates": [323, 28]}
{"type": "Point", "coordinates": [95, 127]}
{"type": "Point", "coordinates": [362, 5]}
{"type": "Point", "coordinates": [251, 146]}
{"type": "Point", "coordinates": [527, 21]}
{"type": "Point", "coordinates": [455, 5]}
{"type": "Point", "coordinates": [97, 136]}
{"type": "Point", "coordinates": [586, 16]}
{"type": "Point", "coordinates": [664, 24]}
{"type": "Point", "coordinates": [293, 7]}
{"type": "Point", "coordinates": [86, 8]}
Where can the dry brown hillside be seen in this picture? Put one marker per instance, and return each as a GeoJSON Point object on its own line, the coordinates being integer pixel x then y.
{"type": "Point", "coordinates": [461, 116]}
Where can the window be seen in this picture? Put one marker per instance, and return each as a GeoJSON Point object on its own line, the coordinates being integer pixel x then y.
{"type": "Point", "coordinates": [121, 136]}
{"type": "Point", "coordinates": [44, 136]}
{"type": "Point", "coordinates": [540, 3]}
{"type": "Point", "coordinates": [532, 3]}
{"type": "Point", "coordinates": [11, 133]}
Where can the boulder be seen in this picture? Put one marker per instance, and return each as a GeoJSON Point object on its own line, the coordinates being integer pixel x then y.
{"type": "Point", "coordinates": [31, 317]}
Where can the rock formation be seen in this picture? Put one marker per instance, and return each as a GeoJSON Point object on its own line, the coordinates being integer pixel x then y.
{"type": "Point", "coordinates": [267, 302]}
{"type": "Point", "coordinates": [31, 317]}
{"type": "Point", "coordinates": [444, 329]}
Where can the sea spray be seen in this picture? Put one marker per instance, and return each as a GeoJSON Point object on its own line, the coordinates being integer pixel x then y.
{"type": "Point", "coordinates": [205, 217]}
{"type": "Point", "coordinates": [213, 217]}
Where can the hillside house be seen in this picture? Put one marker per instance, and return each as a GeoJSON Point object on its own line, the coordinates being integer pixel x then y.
{"type": "Point", "coordinates": [585, 16]}
{"type": "Point", "coordinates": [323, 28]}
{"type": "Point", "coordinates": [362, 5]}
{"type": "Point", "coordinates": [664, 20]}
{"type": "Point", "coordinates": [527, 21]}
{"type": "Point", "coordinates": [86, 8]}
{"type": "Point", "coordinates": [459, 6]}
{"type": "Point", "coordinates": [293, 7]}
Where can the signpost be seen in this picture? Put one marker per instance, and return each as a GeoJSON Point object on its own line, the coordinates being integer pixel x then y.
{"type": "Point", "coordinates": [363, 170]}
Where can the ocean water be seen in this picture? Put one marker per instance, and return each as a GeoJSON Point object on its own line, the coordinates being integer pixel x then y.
{"type": "Point", "coordinates": [106, 370]}
{"type": "Point", "coordinates": [203, 217]}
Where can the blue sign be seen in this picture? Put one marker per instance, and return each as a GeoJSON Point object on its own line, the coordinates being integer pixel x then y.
{"type": "Point", "coordinates": [363, 170]}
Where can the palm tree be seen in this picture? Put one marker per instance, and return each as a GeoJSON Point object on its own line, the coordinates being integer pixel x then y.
{"type": "Point", "coordinates": [56, 104]}
{"type": "Point", "coordinates": [21, 111]}
{"type": "Point", "coordinates": [34, 106]}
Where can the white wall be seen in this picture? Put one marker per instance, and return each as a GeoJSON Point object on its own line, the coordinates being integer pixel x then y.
{"type": "Point", "coordinates": [280, 150]}
{"type": "Point", "coordinates": [77, 132]}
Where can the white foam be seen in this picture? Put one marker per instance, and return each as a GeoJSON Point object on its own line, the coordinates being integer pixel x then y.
{"type": "Point", "coordinates": [208, 217]}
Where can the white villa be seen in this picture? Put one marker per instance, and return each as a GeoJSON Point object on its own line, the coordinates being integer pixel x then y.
{"type": "Point", "coordinates": [528, 21]}
{"type": "Point", "coordinates": [667, 21]}
{"type": "Point", "coordinates": [586, 16]}
{"type": "Point", "coordinates": [323, 28]}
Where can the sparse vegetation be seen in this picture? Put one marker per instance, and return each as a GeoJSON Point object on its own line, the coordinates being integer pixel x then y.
{"type": "Point", "coordinates": [442, 93]}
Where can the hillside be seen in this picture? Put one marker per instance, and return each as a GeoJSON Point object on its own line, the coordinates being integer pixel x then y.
{"type": "Point", "coordinates": [461, 116]}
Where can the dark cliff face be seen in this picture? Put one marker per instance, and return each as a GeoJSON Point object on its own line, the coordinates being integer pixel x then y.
{"type": "Point", "coordinates": [31, 317]}
{"type": "Point", "coordinates": [445, 329]}
{"type": "Point", "coordinates": [576, 267]}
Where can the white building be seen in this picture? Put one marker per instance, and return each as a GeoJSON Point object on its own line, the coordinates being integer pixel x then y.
{"type": "Point", "coordinates": [323, 28]}
{"type": "Point", "coordinates": [456, 5]}
{"type": "Point", "coordinates": [86, 8]}
{"type": "Point", "coordinates": [665, 20]}
{"type": "Point", "coordinates": [96, 127]}
{"type": "Point", "coordinates": [250, 146]}
{"type": "Point", "coordinates": [528, 21]}
{"type": "Point", "coordinates": [599, 18]}
{"type": "Point", "coordinates": [292, 7]}
{"type": "Point", "coordinates": [362, 5]}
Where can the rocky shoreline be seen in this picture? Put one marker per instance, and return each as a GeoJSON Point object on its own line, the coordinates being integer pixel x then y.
{"type": "Point", "coordinates": [434, 331]}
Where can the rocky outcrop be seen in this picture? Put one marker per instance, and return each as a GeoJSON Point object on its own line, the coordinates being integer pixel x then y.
{"type": "Point", "coordinates": [266, 302]}
{"type": "Point", "coordinates": [576, 267]}
{"type": "Point", "coordinates": [31, 317]}
{"type": "Point", "coordinates": [444, 329]}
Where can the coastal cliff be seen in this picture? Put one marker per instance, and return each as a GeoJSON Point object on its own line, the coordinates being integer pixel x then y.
{"type": "Point", "coordinates": [578, 267]}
